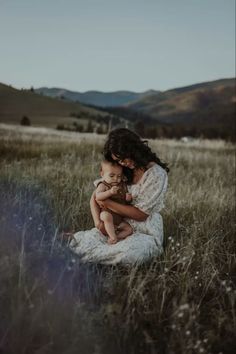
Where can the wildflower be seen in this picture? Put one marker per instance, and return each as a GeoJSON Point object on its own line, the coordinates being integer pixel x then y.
{"type": "Point", "coordinates": [178, 244]}
{"type": "Point", "coordinates": [39, 228]}
{"type": "Point", "coordinates": [228, 289]}
{"type": "Point", "coordinates": [170, 238]}
{"type": "Point", "coordinates": [205, 340]}
{"type": "Point", "coordinates": [188, 333]}
{"type": "Point", "coordinates": [197, 272]}
{"type": "Point", "coordinates": [30, 218]}
{"type": "Point", "coordinates": [197, 344]}
{"type": "Point", "coordinates": [166, 269]}
{"type": "Point", "coordinates": [201, 350]}
{"type": "Point", "coordinates": [73, 260]}
{"type": "Point", "coordinates": [196, 277]}
{"type": "Point", "coordinates": [173, 326]}
{"type": "Point", "coordinates": [223, 282]}
{"type": "Point", "coordinates": [180, 314]}
{"type": "Point", "coordinates": [184, 307]}
{"type": "Point", "coordinates": [172, 248]}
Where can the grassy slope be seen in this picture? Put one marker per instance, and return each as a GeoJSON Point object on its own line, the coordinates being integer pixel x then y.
{"type": "Point", "coordinates": [41, 110]}
{"type": "Point", "coordinates": [182, 303]}
{"type": "Point", "coordinates": [191, 99]}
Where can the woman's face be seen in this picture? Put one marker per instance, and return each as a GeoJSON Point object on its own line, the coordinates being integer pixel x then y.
{"type": "Point", "coordinates": [124, 162]}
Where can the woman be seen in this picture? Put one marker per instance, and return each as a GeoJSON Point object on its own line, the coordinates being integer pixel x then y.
{"type": "Point", "coordinates": [147, 182]}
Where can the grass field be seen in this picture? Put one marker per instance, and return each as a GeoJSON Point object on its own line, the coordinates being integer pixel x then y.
{"type": "Point", "coordinates": [182, 302]}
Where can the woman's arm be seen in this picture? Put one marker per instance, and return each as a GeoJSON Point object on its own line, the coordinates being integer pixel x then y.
{"type": "Point", "coordinates": [128, 211]}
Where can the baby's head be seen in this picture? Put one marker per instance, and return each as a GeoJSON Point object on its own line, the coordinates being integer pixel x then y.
{"type": "Point", "coordinates": [112, 173]}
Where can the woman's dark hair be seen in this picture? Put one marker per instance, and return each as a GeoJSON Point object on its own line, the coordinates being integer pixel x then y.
{"type": "Point", "coordinates": [123, 143]}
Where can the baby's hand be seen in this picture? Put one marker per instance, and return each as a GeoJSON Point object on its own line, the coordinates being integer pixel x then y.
{"type": "Point", "coordinates": [114, 190]}
{"type": "Point", "coordinates": [128, 197]}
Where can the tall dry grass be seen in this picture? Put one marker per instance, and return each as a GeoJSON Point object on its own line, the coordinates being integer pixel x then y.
{"type": "Point", "coordinates": [181, 302]}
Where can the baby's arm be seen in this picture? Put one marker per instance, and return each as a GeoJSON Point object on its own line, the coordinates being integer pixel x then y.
{"type": "Point", "coordinates": [103, 193]}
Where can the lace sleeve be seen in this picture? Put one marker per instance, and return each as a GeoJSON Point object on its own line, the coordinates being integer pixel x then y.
{"type": "Point", "coordinates": [151, 194]}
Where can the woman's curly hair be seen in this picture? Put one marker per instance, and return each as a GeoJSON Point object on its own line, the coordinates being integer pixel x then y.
{"type": "Point", "coordinates": [123, 143]}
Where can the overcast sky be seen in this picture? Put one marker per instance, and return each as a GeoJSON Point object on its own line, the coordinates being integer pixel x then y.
{"type": "Point", "coordinates": [109, 45]}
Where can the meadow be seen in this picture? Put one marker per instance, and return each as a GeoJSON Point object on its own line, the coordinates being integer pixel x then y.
{"type": "Point", "coordinates": [180, 303]}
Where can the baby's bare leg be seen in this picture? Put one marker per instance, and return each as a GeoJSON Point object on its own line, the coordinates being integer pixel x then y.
{"type": "Point", "coordinates": [107, 218]}
{"type": "Point", "coordinates": [124, 230]}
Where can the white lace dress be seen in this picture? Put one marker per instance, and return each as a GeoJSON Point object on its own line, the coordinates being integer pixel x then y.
{"type": "Point", "coordinates": [146, 240]}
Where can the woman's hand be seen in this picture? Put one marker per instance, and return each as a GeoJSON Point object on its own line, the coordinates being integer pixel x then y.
{"type": "Point", "coordinates": [102, 203]}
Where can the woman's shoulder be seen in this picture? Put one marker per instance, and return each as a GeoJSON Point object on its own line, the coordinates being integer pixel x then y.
{"type": "Point", "coordinates": [155, 173]}
{"type": "Point", "coordinates": [154, 168]}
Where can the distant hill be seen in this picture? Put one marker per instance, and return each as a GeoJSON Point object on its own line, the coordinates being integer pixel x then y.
{"type": "Point", "coordinates": [206, 109]}
{"type": "Point", "coordinates": [183, 104]}
{"type": "Point", "coordinates": [41, 110]}
{"type": "Point", "coordinates": [96, 98]}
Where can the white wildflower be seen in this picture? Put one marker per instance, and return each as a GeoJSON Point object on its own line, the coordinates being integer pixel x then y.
{"type": "Point", "coordinates": [184, 307]}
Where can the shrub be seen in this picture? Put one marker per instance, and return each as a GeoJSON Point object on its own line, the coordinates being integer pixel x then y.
{"type": "Point", "coordinates": [25, 121]}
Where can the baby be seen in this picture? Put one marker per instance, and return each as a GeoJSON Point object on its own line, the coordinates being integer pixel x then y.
{"type": "Point", "coordinates": [112, 186]}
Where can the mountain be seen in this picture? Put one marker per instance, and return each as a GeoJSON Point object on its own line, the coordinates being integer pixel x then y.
{"type": "Point", "coordinates": [41, 110]}
{"type": "Point", "coordinates": [183, 105]}
{"type": "Point", "coordinates": [96, 98]}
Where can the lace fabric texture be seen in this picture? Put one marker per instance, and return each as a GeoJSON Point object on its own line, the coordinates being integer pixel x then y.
{"type": "Point", "coordinates": [146, 241]}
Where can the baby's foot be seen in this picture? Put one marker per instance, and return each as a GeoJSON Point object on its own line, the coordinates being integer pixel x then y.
{"type": "Point", "coordinates": [111, 241]}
